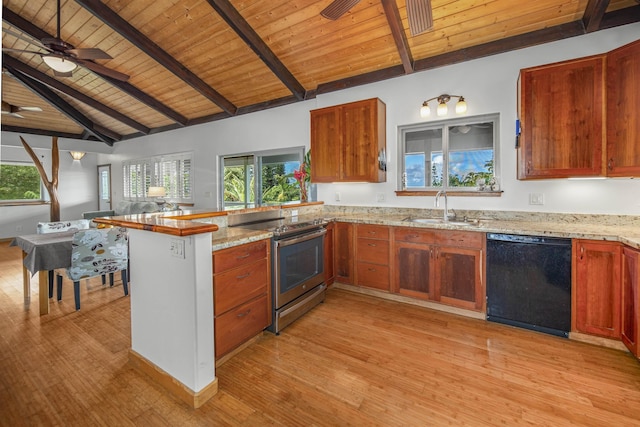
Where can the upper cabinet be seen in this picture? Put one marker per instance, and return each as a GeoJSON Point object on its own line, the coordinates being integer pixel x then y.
{"type": "Point", "coordinates": [623, 107]}
{"type": "Point", "coordinates": [561, 119]}
{"type": "Point", "coordinates": [579, 117]}
{"type": "Point", "coordinates": [348, 142]}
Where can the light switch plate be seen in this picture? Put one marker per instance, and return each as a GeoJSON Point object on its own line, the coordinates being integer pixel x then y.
{"type": "Point", "coordinates": [536, 198]}
{"type": "Point", "coordinates": [177, 248]}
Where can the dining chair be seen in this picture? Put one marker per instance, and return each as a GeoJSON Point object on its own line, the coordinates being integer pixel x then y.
{"type": "Point", "coordinates": [59, 227]}
{"type": "Point", "coordinates": [96, 252]}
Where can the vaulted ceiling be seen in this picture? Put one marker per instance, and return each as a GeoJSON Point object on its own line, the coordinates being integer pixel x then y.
{"type": "Point", "coordinates": [195, 61]}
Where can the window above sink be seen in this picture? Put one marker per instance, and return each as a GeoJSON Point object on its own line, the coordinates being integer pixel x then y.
{"type": "Point", "coordinates": [458, 155]}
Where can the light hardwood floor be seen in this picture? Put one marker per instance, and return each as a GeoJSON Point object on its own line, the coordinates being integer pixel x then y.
{"type": "Point", "coordinates": [354, 360]}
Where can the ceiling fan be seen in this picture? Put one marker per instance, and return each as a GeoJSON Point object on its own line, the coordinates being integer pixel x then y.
{"type": "Point", "coordinates": [63, 57]}
{"type": "Point", "coordinates": [14, 110]}
{"type": "Point", "coordinates": [418, 13]}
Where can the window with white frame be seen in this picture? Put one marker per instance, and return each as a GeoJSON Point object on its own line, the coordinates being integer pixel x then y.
{"type": "Point", "coordinates": [20, 182]}
{"type": "Point", "coordinates": [458, 154]}
{"type": "Point", "coordinates": [171, 171]}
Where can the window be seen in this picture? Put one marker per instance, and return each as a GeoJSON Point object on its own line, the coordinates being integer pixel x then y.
{"type": "Point", "coordinates": [462, 150]}
{"type": "Point", "coordinates": [173, 172]}
{"type": "Point", "coordinates": [243, 188]}
{"type": "Point", "coordinates": [20, 182]}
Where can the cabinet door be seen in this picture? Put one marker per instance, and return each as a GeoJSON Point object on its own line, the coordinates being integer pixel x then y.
{"type": "Point", "coordinates": [631, 300]}
{"type": "Point", "coordinates": [459, 277]}
{"type": "Point", "coordinates": [623, 105]}
{"type": "Point", "coordinates": [360, 141]}
{"type": "Point", "coordinates": [562, 119]}
{"type": "Point", "coordinates": [597, 287]}
{"type": "Point", "coordinates": [329, 274]}
{"type": "Point", "coordinates": [344, 253]}
{"type": "Point", "coordinates": [414, 270]}
{"type": "Point", "coordinates": [326, 144]}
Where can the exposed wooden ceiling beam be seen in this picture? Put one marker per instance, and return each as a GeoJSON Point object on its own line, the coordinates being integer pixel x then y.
{"type": "Point", "coordinates": [59, 86]}
{"type": "Point", "coordinates": [63, 106]}
{"type": "Point", "coordinates": [593, 14]}
{"type": "Point", "coordinates": [621, 17]}
{"type": "Point", "coordinates": [32, 131]}
{"type": "Point", "coordinates": [142, 42]}
{"type": "Point", "coordinates": [28, 28]}
{"type": "Point", "coordinates": [233, 18]}
{"type": "Point", "coordinates": [399, 37]}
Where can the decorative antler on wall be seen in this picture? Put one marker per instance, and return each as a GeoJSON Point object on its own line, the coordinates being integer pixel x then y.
{"type": "Point", "coordinates": [52, 186]}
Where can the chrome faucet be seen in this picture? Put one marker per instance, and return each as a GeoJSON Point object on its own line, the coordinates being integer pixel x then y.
{"type": "Point", "coordinates": [446, 210]}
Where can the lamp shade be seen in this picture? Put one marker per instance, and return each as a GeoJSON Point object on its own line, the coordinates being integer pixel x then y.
{"type": "Point", "coordinates": [59, 64]}
{"type": "Point", "coordinates": [77, 155]}
{"type": "Point", "coordinates": [425, 111]}
{"type": "Point", "coordinates": [442, 109]}
{"type": "Point", "coordinates": [461, 106]}
{"type": "Point", "coordinates": [156, 192]}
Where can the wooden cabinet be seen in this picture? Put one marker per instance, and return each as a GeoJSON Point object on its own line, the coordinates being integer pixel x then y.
{"type": "Point", "coordinates": [561, 112]}
{"type": "Point", "coordinates": [241, 294]}
{"type": "Point", "coordinates": [443, 266]}
{"type": "Point", "coordinates": [623, 105]}
{"type": "Point", "coordinates": [329, 272]}
{"type": "Point", "coordinates": [580, 117]}
{"type": "Point", "coordinates": [348, 142]}
{"type": "Point", "coordinates": [344, 252]}
{"type": "Point", "coordinates": [596, 288]}
{"type": "Point", "coordinates": [630, 330]}
{"type": "Point", "coordinates": [372, 256]}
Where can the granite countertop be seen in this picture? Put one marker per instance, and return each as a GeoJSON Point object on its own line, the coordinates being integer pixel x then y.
{"type": "Point", "coordinates": [627, 234]}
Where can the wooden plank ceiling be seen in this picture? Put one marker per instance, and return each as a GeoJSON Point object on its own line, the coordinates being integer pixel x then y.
{"type": "Point", "coordinates": [194, 61]}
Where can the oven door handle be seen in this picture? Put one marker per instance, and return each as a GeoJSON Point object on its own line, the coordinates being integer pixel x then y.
{"type": "Point", "coordinates": [298, 239]}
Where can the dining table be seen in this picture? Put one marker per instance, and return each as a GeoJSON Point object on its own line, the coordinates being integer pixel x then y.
{"type": "Point", "coordinates": [42, 253]}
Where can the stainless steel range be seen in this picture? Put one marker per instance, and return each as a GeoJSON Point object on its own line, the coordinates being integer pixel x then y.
{"type": "Point", "coordinates": [297, 270]}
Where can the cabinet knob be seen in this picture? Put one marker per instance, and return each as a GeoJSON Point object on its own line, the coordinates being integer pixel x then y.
{"type": "Point", "coordinates": [610, 164]}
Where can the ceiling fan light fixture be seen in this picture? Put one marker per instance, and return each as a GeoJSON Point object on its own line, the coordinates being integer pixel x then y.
{"type": "Point", "coordinates": [59, 64]}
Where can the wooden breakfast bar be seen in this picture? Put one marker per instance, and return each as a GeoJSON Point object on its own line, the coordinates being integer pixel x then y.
{"type": "Point", "coordinates": [172, 303]}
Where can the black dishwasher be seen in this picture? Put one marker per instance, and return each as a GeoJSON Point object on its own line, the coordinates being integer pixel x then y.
{"type": "Point", "coordinates": [529, 282]}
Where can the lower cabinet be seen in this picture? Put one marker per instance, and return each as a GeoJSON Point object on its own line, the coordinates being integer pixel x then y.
{"type": "Point", "coordinates": [344, 252]}
{"type": "Point", "coordinates": [630, 330]}
{"type": "Point", "coordinates": [372, 256]}
{"type": "Point", "coordinates": [596, 287]}
{"type": "Point", "coordinates": [439, 265]}
{"type": "Point", "coordinates": [241, 294]}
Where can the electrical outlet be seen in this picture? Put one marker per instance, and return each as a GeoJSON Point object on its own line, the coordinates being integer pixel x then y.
{"type": "Point", "coordinates": [536, 198]}
{"type": "Point", "coordinates": [337, 196]}
{"type": "Point", "coordinates": [380, 197]}
{"type": "Point", "coordinates": [177, 248]}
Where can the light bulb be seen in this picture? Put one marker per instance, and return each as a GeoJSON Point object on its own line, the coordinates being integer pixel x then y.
{"type": "Point", "coordinates": [461, 106]}
{"type": "Point", "coordinates": [442, 109]}
{"type": "Point", "coordinates": [425, 111]}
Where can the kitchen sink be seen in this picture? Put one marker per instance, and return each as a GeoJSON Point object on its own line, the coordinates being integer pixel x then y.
{"type": "Point", "coordinates": [440, 221]}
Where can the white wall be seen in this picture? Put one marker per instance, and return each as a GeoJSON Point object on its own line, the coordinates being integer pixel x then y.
{"type": "Point", "coordinates": [77, 182]}
{"type": "Point", "coordinates": [488, 85]}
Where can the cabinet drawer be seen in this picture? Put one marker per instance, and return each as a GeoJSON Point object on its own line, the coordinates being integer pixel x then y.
{"type": "Point", "coordinates": [415, 235]}
{"type": "Point", "coordinates": [243, 254]}
{"type": "Point", "coordinates": [373, 276]}
{"type": "Point", "coordinates": [373, 231]}
{"type": "Point", "coordinates": [238, 325]}
{"type": "Point", "coordinates": [466, 239]}
{"type": "Point", "coordinates": [375, 251]}
{"type": "Point", "coordinates": [239, 285]}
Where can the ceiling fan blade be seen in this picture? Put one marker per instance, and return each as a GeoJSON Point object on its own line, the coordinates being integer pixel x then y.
{"type": "Point", "coordinates": [337, 8]}
{"type": "Point", "coordinates": [29, 109]}
{"type": "Point", "coordinates": [101, 69]}
{"type": "Point", "coordinates": [89, 53]}
{"type": "Point", "coordinates": [419, 15]}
